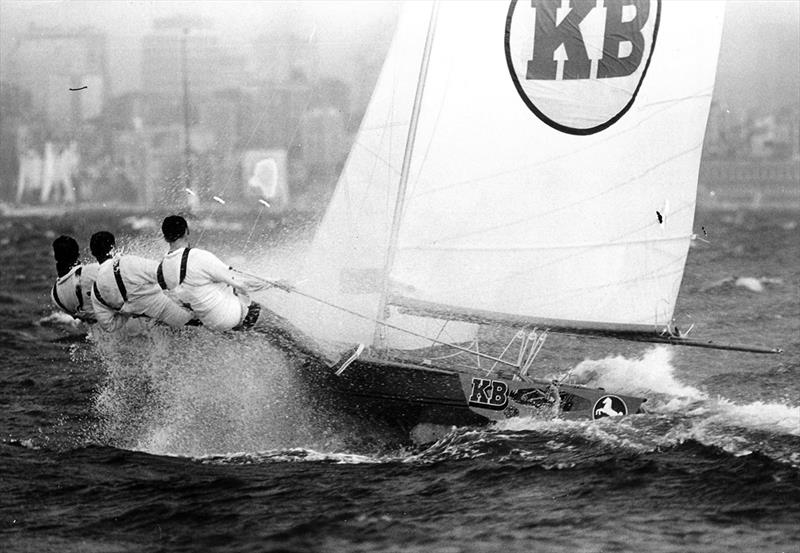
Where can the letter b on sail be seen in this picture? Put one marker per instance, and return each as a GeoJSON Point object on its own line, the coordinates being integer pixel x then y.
{"type": "Point", "coordinates": [578, 64]}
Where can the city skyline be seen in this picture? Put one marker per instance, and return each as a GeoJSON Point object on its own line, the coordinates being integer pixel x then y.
{"type": "Point", "coordinates": [758, 61]}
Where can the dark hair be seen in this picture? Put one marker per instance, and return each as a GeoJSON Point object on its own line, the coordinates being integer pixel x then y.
{"type": "Point", "coordinates": [101, 244]}
{"type": "Point", "coordinates": [66, 253]}
{"type": "Point", "coordinates": [173, 228]}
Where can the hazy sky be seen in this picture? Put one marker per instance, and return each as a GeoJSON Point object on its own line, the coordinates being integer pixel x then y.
{"type": "Point", "coordinates": [759, 62]}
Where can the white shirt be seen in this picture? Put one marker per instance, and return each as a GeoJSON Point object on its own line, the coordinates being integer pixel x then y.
{"type": "Point", "coordinates": [206, 288]}
{"type": "Point", "coordinates": [144, 296]}
{"type": "Point", "coordinates": [72, 293]}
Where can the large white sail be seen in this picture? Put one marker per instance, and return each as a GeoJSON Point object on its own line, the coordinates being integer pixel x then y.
{"type": "Point", "coordinates": [555, 165]}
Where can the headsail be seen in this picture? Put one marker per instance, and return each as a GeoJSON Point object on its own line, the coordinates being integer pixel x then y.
{"type": "Point", "coordinates": [555, 167]}
{"type": "Point", "coordinates": [347, 258]}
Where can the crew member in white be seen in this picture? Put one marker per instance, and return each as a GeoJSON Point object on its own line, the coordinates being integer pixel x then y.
{"type": "Point", "coordinates": [72, 292]}
{"type": "Point", "coordinates": [126, 287]}
{"type": "Point", "coordinates": [220, 297]}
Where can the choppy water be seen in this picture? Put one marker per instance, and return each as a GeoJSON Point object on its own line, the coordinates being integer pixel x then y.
{"type": "Point", "coordinates": [196, 442]}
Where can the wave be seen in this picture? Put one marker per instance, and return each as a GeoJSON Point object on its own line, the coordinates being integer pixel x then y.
{"type": "Point", "coordinates": [292, 455]}
{"type": "Point", "coordinates": [677, 413]}
{"type": "Point", "coordinates": [235, 398]}
{"type": "Point", "coordinates": [754, 284]}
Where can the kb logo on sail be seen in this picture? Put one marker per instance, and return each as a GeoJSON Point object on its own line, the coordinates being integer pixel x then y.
{"type": "Point", "coordinates": [599, 49]}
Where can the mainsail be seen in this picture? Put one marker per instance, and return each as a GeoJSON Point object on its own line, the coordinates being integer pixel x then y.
{"type": "Point", "coordinates": [553, 175]}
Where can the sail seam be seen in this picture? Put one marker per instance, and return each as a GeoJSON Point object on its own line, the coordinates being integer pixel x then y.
{"type": "Point", "coordinates": [544, 247]}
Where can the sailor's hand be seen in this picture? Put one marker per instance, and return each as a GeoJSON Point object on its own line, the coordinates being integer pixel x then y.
{"type": "Point", "coordinates": [283, 285]}
{"type": "Point", "coordinates": [273, 283]}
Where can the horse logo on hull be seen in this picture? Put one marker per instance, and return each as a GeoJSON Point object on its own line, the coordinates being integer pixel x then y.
{"type": "Point", "coordinates": [609, 406]}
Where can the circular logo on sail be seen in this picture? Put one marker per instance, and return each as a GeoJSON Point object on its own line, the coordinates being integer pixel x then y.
{"type": "Point", "coordinates": [579, 64]}
{"type": "Point", "coordinates": [609, 406]}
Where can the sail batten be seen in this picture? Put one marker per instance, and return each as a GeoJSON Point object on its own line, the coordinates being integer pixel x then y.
{"type": "Point", "coordinates": [442, 311]}
{"type": "Point", "coordinates": [517, 247]}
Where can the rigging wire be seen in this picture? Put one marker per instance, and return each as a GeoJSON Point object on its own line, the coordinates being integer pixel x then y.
{"type": "Point", "coordinates": [291, 289]}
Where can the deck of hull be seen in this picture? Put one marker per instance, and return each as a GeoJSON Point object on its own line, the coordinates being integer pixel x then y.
{"type": "Point", "coordinates": [405, 395]}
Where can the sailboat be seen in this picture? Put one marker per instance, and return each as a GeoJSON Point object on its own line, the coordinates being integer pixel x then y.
{"type": "Point", "coordinates": [531, 165]}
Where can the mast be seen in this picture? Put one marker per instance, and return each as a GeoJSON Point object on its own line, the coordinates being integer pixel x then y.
{"type": "Point", "coordinates": [379, 340]}
{"type": "Point", "coordinates": [187, 145]}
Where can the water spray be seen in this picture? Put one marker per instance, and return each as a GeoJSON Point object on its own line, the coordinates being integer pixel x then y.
{"type": "Point", "coordinates": [264, 204]}
{"type": "Point", "coordinates": [286, 287]}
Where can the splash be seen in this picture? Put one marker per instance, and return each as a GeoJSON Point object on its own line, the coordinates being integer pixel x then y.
{"type": "Point", "coordinates": [196, 393]}
{"type": "Point", "coordinates": [774, 418]}
{"type": "Point", "coordinates": [59, 319]}
{"type": "Point", "coordinates": [651, 373]}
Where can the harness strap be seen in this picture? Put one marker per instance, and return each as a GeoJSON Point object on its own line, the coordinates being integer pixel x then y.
{"type": "Point", "coordinates": [184, 261]}
{"type": "Point", "coordinates": [58, 300]}
{"type": "Point", "coordinates": [78, 289]}
{"type": "Point", "coordinates": [182, 275]}
{"type": "Point", "coordinates": [121, 285]}
{"type": "Point", "coordinates": [160, 276]}
{"type": "Point", "coordinates": [96, 292]}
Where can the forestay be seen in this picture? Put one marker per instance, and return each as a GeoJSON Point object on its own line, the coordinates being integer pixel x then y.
{"type": "Point", "coordinates": [554, 171]}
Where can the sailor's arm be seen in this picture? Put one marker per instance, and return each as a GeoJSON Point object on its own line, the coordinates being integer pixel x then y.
{"type": "Point", "coordinates": [146, 269]}
{"type": "Point", "coordinates": [85, 316]}
{"type": "Point", "coordinates": [108, 319]}
{"type": "Point", "coordinates": [58, 304]}
{"type": "Point", "coordinates": [237, 285]}
{"type": "Point", "coordinates": [220, 272]}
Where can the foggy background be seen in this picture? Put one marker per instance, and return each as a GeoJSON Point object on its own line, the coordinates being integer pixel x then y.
{"type": "Point", "coordinates": [290, 81]}
{"type": "Point", "coordinates": [759, 61]}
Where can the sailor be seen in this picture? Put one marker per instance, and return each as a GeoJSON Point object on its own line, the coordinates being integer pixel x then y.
{"type": "Point", "coordinates": [553, 393]}
{"type": "Point", "coordinates": [126, 288]}
{"type": "Point", "coordinates": [72, 292]}
{"type": "Point", "coordinates": [220, 297]}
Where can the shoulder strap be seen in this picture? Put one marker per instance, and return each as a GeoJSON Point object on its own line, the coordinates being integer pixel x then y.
{"type": "Point", "coordinates": [78, 289]}
{"type": "Point", "coordinates": [96, 292]}
{"type": "Point", "coordinates": [121, 285]}
{"type": "Point", "coordinates": [160, 276]}
{"type": "Point", "coordinates": [58, 300]}
{"type": "Point", "coordinates": [184, 261]}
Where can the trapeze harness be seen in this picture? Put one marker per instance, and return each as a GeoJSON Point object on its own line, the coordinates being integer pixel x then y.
{"type": "Point", "coordinates": [253, 310]}
{"type": "Point", "coordinates": [120, 286]}
{"type": "Point", "coordinates": [78, 292]}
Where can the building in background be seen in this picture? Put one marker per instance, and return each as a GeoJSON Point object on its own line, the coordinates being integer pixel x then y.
{"type": "Point", "coordinates": [49, 61]}
{"type": "Point", "coordinates": [292, 92]}
{"type": "Point", "coordinates": [285, 56]}
{"type": "Point", "coordinates": [211, 66]}
{"type": "Point", "coordinates": [324, 148]}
